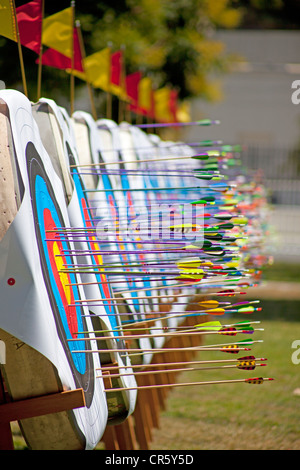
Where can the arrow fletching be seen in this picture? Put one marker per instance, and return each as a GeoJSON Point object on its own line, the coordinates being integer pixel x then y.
{"type": "Point", "coordinates": [257, 380]}
{"type": "Point", "coordinates": [209, 326]}
{"type": "Point", "coordinates": [232, 349]}
{"type": "Point", "coordinates": [231, 331]}
{"type": "Point", "coordinates": [207, 304]}
{"type": "Point", "coordinates": [246, 365]}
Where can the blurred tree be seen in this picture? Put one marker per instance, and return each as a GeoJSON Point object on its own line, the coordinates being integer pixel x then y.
{"type": "Point", "coordinates": [269, 14]}
{"type": "Point", "coordinates": [168, 40]}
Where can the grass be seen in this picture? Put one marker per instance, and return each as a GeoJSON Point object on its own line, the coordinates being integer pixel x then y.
{"type": "Point", "coordinates": [286, 272]}
{"type": "Point", "coordinates": [234, 416]}
{"type": "Point", "coordinates": [238, 416]}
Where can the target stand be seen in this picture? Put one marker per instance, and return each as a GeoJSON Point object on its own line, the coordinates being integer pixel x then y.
{"type": "Point", "coordinates": [33, 407]}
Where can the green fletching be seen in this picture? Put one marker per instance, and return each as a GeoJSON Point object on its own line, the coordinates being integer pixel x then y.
{"type": "Point", "coordinates": [242, 325]}
{"type": "Point", "coordinates": [204, 122]}
{"type": "Point", "coordinates": [213, 236]}
{"type": "Point", "coordinates": [200, 157]}
{"type": "Point", "coordinates": [247, 309]}
{"type": "Point", "coordinates": [209, 325]}
{"type": "Point", "coordinates": [245, 341]}
{"type": "Point", "coordinates": [204, 200]}
{"type": "Point", "coordinates": [200, 201]}
{"type": "Point", "coordinates": [205, 177]}
{"type": "Point", "coordinates": [224, 226]}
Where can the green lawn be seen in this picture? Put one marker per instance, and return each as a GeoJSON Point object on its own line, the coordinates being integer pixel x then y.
{"type": "Point", "coordinates": [235, 416]}
{"type": "Point", "coordinates": [286, 272]}
{"type": "Point", "coordinates": [239, 416]}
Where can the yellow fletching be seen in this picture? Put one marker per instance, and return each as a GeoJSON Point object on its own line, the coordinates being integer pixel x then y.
{"type": "Point", "coordinates": [209, 303]}
{"type": "Point", "coordinates": [232, 264]}
{"type": "Point", "coordinates": [216, 311]}
{"type": "Point", "coordinates": [239, 220]}
{"type": "Point", "coordinates": [192, 271]}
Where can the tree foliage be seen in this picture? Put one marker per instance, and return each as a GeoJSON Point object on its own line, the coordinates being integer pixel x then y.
{"type": "Point", "coordinates": [168, 40]}
{"type": "Point", "coordinates": [269, 14]}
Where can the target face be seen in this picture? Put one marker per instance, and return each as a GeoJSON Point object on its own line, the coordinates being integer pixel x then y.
{"type": "Point", "coordinates": [102, 279]}
{"type": "Point", "coordinates": [114, 212]}
{"type": "Point", "coordinates": [95, 251]}
{"type": "Point", "coordinates": [54, 250]}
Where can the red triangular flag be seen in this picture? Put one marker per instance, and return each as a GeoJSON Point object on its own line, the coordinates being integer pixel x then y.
{"type": "Point", "coordinates": [116, 68]}
{"type": "Point", "coordinates": [53, 58]}
{"type": "Point", "coordinates": [117, 75]}
{"type": "Point", "coordinates": [132, 89]}
{"type": "Point", "coordinates": [29, 17]}
{"type": "Point", "coordinates": [173, 104]}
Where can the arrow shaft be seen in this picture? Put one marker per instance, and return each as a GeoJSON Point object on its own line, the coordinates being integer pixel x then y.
{"type": "Point", "coordinates": [184, 384]}
{"type": "Point", "coordinates": [156, 350]}
{"type": "Point", "coordinates": [175, 364]}
{"type": "Point", "coordinates": [163, 371]}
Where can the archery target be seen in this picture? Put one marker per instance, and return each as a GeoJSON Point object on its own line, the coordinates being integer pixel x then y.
{"type": "Point", "coordinates": [37, 312]}
{"type": "Point", "coordinates": [104, 312]}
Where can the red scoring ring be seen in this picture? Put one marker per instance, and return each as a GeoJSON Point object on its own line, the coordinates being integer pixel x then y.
{"type": "Point", "coordinates": [11, 281]}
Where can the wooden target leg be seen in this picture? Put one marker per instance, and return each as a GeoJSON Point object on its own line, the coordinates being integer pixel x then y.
{"type": "Point", "coordinates": [110, 438]}
{"type": "Point", "coordinates": [154, 399]}
{"type": "Point", "coordinates": [126, 435]}
{"type": "Point", "coordinates": [141, 415]}
{"type": "Point", "coordinates": [160, 379]}
{"type": "Point", "coordinates": [6, 439]}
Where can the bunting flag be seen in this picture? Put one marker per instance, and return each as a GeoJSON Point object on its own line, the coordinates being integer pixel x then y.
{"type": "Point", "coordinates": [132, 90]}
{"type": "Point", "coordinates": [8, 25]}
{"type": "Point", "coordinates": [162, 108]}
{"type": "Point", "coordinates": [117, 79]}
{"type": "Point", "coordinates": [57, 31]}
{"type": "Point", "coordinates": [97, 69]}
{"type": "Point", "coordinates": [30, 18]}
{"type": "Point", "coordinates": [53, 58]}
{"type": "Point", "coordinates": [173, 105]}
{"type": "Point", "coordinates": [145, 97]}
{"type": "Point", "coordinates": [183, 112]}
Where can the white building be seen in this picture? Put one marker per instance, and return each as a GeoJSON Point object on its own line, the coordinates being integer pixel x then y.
{"type": "Point", "coordinates": [257, 111]}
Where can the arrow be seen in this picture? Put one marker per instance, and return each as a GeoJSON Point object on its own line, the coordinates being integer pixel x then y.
{"type": "Point", "coordinates": [256, 380]}
{"type": "Point", "coordinates": [202, 122]}
{"type": "Point", "coordinates": [230, 331]}
{"type": "Point", "coordinates": [152, 160]}
{"type": "Point", "coordinates": [248, 365]}
{"type": "Point", "coordinates": [235, 362]}
{"type": "Point", "coordinates": [232, 348]}
{"type": "Point", "coordinates": [210, 326]}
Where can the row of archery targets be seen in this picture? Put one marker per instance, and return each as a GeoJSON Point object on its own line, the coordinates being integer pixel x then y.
{"type": "Point", "coordinates": [120, 253]}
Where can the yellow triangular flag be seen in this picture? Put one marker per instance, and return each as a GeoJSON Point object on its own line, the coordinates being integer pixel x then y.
{"type": "Point", "coordinates": [57, 32]}
{"type": "Point", "coordinates": [184, 112]}
{"type": "Point", "coordinates": [145, 94]}
{"type": "Point", "coordinates": [97, 69]}
{"type": "Point", "coordinates": [8, 26]}
{"type": "Point", "coordinates": [162, 105]}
